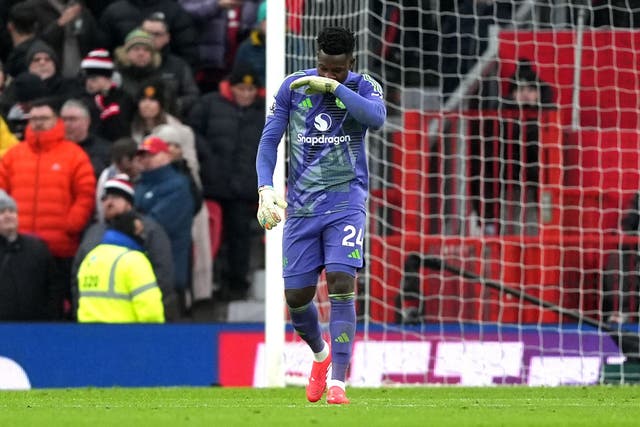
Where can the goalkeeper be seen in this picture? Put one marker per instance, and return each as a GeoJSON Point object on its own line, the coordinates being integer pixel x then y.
{"type": "Point", "coordinates": [326, 112]}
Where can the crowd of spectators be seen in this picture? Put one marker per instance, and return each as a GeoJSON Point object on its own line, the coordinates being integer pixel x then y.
{"type": "Point", "coordinates": [118, 119]}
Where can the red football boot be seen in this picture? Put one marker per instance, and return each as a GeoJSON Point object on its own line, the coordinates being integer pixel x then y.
{"type": "Point", "coordinates": [337, 396]}
{"type": "Point", "coordinates": [318, 379]}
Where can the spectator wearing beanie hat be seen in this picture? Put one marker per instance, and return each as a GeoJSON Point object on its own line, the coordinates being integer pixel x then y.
{"type": "Point", "coordinates": [97, 63]}
{"type": "Point", "coordinates": [151, 110]}
{"type": "Point", "coordinates": [122, 16]}
{"type": "Point", "coordinates": [137, 61]}
{"type": "Point", "coordinates": [70, 28]}
{"type": "Point", "coordinates": [175, 71]}
{"type": "Point", "coordinates": [111, 108]}
{"type": "Point", "coordinates": [26, 271]}
{"type": "Point", "coordinates": [229, 124]}
{"type": "Point", "coordinates": [116, 199]}
{"type": "Point", "coordinates": [120, 186]}
{"type": "Point", "coordinates": [44, 62]}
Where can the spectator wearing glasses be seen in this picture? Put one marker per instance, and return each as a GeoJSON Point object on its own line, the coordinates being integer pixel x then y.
{"type": "Point", "coordinates": [53, 184]}
{"type": "Point", "coordinates": [175, 71]}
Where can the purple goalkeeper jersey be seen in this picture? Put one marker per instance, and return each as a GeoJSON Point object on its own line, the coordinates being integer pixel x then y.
{"type": "Point", "coordinates": [327, 170]}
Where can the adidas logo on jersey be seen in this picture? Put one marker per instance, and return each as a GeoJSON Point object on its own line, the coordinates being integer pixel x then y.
{"type": "Point", "coordinates": [305, 104]}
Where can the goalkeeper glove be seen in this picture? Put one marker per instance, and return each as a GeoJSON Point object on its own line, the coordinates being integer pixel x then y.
{"type": "Point", "coordinates": [316, 84]}
{"type": "Point", "coordinates": [268, 215]}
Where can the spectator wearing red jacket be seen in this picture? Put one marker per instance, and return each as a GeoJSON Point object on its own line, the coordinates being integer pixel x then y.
{"type": "Point", "coordinates": [53, 184]}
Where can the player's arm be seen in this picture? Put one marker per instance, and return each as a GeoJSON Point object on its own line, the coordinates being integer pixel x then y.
{"type": "Point", "coordinates": [277, 121]}
{"type": "Point", "coordinates": [367, 106]}
{"type": "Point", "coordinates": [274, 128]}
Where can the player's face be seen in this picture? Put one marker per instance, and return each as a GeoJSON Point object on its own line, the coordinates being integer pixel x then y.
{"type": "Point", "coordinates": [334, 67]}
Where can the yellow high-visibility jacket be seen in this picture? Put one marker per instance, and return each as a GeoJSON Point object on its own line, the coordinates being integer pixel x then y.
{"type": "Point", "coordinates": [7, 139]}
{"type": "Point", "coordinates": [116, 284]}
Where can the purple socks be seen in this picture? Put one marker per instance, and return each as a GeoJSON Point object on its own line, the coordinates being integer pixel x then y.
{"type": "Point", "coordinates": [305, 321]}
{"type": "Point", "coordinates": [342, 328]}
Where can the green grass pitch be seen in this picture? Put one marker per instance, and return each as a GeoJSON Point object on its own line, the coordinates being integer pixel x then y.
{"type": "Point", "coordinates": [430, 406]}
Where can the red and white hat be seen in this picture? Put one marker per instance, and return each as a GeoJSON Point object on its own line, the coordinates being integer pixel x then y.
{"type": "Point", "coordinates": [98, 63]}
{"type": "Point", "coordinates": [120, 185]}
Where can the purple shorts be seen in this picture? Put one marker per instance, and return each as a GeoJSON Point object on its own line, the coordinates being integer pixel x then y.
{"type": "Point", "coordinates": [333, 242]}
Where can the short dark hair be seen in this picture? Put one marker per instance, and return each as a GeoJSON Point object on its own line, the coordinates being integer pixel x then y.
{"type": "Point", "coordinates": [336, 41]}
{"type": "Point", "coordinates": [46, 102]}
{"type": "Point", "coordinates": [23, 18]}
{"type": "Point", "coordinates": [122, 148]}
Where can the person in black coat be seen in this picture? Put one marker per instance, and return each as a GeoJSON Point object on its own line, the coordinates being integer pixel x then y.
{"type": "Point", "coordinates": [228, 124]}
{"type": "Point", "coordinates": [111, 108]}
{"type": "Point", "coordinates": [26, 267]}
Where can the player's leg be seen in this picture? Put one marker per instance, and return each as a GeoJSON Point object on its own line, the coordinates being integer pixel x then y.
{"type": "Point", "coordinates": [342, 328]}
{"type": "Point", "coordinates": [343, 256]}
{"type": "Point", "coordinates": [302, 255]}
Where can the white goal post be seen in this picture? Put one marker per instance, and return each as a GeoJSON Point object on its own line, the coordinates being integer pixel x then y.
{"type": "Point", "coordinates": [503, 221]}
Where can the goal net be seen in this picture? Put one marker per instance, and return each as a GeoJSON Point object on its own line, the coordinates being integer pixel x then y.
{"type": "Point", "coordinates": [503, 219]}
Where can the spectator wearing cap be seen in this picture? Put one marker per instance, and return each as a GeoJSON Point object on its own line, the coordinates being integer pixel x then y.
{"type": "Point", "coordinates": [45, 63]}
{"type": "Point", "coordinates": [229, 124]}
{"type": "Point", "coordinates": [122, 16]}
{"type": "Point", "coordinates": [53, 183]}
{"type": "Point", "coordinates": [164, 194]}
{"type": "Point", "coordinates": [221, 25]}
{"type": "Point", "coordinates": [111, 108]}
{"type": "Point", "coordinates": [117, 197]}
{"type": "Point", "coordinates": [116, 282]}
{"type": "Point", "coordinates": [176, 73]}
{"type": "Point", "coordinates": [77, 121]}
{"type": "Point", "coordinates": [183, 152]}
{"type": "Point", "coordinates": [70, 29]}
{"type": "Point", "coordinates": [26, 270]}
{"type": "Point", "coordinates": [22, 25]}
{"type": "Point", "coordinates": [253, 49]}
{"type": "Point", "coordinates": [137, 61]}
